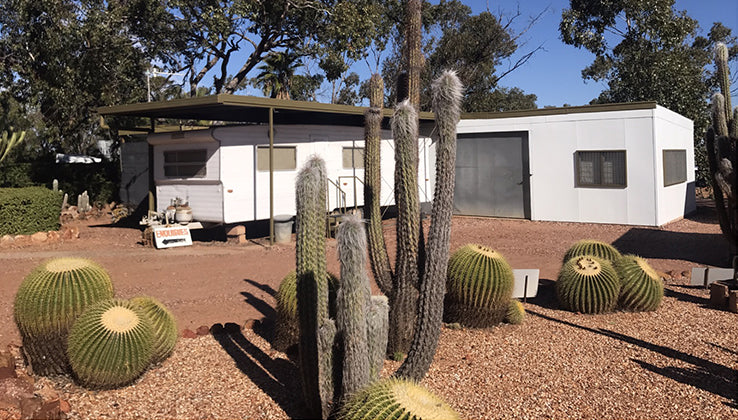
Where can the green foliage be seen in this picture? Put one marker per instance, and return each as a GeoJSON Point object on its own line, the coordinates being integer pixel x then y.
{"type": "Point", "coordinates": [286, 330]}
{"type": "Point", "coordinates": [8, 142]}
{"type": "Point", "coordinates": [396, 399]}
{"type": "Point", "coordinates": [592, 247]}
{"type": "Point", "coordinates": [648, 51]}
{"type": "Point", "coordinates": [111, 344]}
{"type": "Point", "coordinates": [29, 210]}
{"type": "Point", "coordinates": [164, 327]}
{"type": "Point", "coordinates": [479, 287]}
{"type": "Point", "coordinates": [48, 302]}
{"type": "Point", "coordinates": [588, 284]}
{"type": "Point", "coordinates": [515, 312]}
{"type": "Point", "coordinates": [275, 77]}
{"type": "Point", "coordinates": [642, 288]}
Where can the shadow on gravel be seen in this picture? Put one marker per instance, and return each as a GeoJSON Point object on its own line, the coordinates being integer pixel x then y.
{"type": "Point", "coordinates": [706, 375]}
{"type": "Point", "coordinates": [701, 248]}
{"type": "Point", "coordinates": [686, 297]}
{"type": "Point", "coordinates": [266, 329]}
{"type": "Point", "coordinates": [546, 297]}
{"type": "Point", "coordinates": [277, 377]}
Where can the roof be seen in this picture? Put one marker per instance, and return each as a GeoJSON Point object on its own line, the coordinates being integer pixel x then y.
{"type": "Point", "coordinates": [560, 111]}
{"type": "Point", "coordinates": [247, 109]}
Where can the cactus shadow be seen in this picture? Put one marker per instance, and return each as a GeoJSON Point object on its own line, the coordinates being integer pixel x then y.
{"type": "Point", "coordinates": [546, 296]}
{"type": "Point", "coordinates": [275, 376]}
{"type": "Point", "coordinates": [269, 316]}
{"type": "Point", "coordinates": [704, 374]}
{"type": "Point", "coordinates": [686, 297]}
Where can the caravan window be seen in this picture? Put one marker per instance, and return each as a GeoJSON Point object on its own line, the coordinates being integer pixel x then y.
{"type": "Point", "coordinates": [675, 167]}
{"type": "Point", "coordinates": [285, 158]}
{"type": "Point", "coordinates": [185, 163]}
{"type": "Point", "coordinates": [601, 169]}
{"type": "Point", "coordinates": [353, 157]}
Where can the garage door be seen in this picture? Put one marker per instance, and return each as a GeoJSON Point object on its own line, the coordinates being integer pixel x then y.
{"type": "Point", "coordinates": [492, 175]}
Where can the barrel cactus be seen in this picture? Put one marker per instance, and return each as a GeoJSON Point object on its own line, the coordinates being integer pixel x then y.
{"type": "Point", "coordinates": [642, 289]}
{"type": "Point", "coordinates": [592, 247]}
{"type": "Point", "coordinates": [286, 329]}
{"type": "Point", "coordinates": [515, 312]}
{"type": "Point", "coordinates": [396, 399]}
{"type": "Point", "coordinates": [588, 284]}
{"type": "Point", "coordinates": [48, 302]}
{"type": "Point", "coordinates": [479, 287]}
{"type": "Point", "coordinates": [111, 344]}
{"type": "Point", "coordinates": [164, 324]}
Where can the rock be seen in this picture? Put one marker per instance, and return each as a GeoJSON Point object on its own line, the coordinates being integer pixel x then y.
{"type": "Point", "coordinates": [236, 234]}
{"type": "Point", "coordinates": [188, 333]}
{"type": "Point", "coordinates": [203, 330]}
{"type": "Point", "coordinates": [13, 391]}
{"type": "Point", "coordinates": [64, 406]}
{"type": "Point", "coordinates": [38, 237]}
{"type": "Point", "coordinates": [6, 240]}
{"type": "Point", "coordinates": [252, 324]}
{"type": "Point", "coordinates": [69, 232]}
{"type": "Point", "coordinates": [7, 365]}
{"type": "Point", "coordinates": [53, 236]}
{"type": "Point", "coordinates": [21, 239]}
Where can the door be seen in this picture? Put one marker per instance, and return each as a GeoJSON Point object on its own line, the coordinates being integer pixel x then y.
{"type": "Point", "coordinates": [492, 175]}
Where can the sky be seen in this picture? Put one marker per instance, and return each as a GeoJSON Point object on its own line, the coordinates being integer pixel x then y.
{"type": "Point", "coordinates": [554, 75]}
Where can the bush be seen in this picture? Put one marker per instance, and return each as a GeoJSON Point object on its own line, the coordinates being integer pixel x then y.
{"type": "Point", "coordinates": [24, 211]}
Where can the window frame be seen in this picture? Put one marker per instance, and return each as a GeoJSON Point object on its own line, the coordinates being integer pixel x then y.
{"type": "Point", "coordinates": [577, 168]}
{"type": "Point", "coordinates": [266, 165]}
{"type": "Point", "coordinates": [663, 163]}
{"type": "Point", "coordinates": [360, 162]}
{"type": "Point", "coordinates": [178, 163]}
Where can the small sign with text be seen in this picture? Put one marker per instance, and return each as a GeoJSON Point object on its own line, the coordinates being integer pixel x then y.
{"type": "Point", "coordinates": [171, 236]}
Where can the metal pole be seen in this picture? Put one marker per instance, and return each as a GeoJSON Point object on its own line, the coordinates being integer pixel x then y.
{"type": "Point", "coordinates": [271, 176]}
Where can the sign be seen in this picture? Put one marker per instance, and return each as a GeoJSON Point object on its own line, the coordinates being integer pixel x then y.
{"type": "Point", "coordinates": [171, 236]}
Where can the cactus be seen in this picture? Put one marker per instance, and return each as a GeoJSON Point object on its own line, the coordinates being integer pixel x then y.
{"type": "Point", "coordinates": [287, 330]}
{"type": "Point", "coordinates": [592, 247]}
{"type": "Point", "coordinates": [164, 324]}
{"type": "Point", "coordinates": [722, 154]}
{"type": "Point", "coordinates": [396, 399]}
{"type": "Point", "coordinates": [642, 289]}
{"type": "Point", "coordinates": [479, 287]}
{"type": "Point", "coordinates": [515, 312]}
{"type": "Point", "coordinates": [111, 344]}
{"type": "Point", "coordinates": [588, 284]}
{"type": "Point", "coordinates": [48, 302]}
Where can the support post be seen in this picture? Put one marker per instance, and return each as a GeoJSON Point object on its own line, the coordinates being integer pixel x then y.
{"type": "Point", "coordinates": [271, 176]}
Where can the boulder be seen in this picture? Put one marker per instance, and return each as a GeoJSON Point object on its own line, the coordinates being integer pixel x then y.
{"type": "Point", "coordinates": [7, 365]}
{"type": "Point", "coordinates": [38, 237]}
{"type": "Point", "coordinates": [6, 240]}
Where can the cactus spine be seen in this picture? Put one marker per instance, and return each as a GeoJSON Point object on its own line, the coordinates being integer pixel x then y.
{"type": "Point", "coordinates": [515, 313]}
{"type": "Point", "coordinates": [480, 286]}
{"type": "Point", "coordinates": [396, 399]}
{"type": "Point", "coordinates": [592, 247]}
{"type": "Point", "coordinates": [722, 153]}
{"type": "Point", "coordinates": [642, 289]}
{"type": "Point", "coordinates": [111, 344]}
{"type": "Point", "coordinates": [48, 302]}
{"type": "Point", "coordinates": [588, 284]}
{"type": "Point", "coordinates": [164, 325]}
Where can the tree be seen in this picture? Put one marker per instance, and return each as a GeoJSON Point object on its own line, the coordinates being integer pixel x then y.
{"type": "Point", "coordinates": [64, 58]}
{"type": "Point", "coordinates": [277, 72]}
{"type": "Point", "coordinates": [656, 56]}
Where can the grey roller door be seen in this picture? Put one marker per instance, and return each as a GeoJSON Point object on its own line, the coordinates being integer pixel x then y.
{"type": "Point", "coordinates": [492, 175]}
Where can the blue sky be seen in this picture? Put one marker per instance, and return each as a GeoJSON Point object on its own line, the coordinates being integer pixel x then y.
{"type": "Point", "coordinates": [555, 74]}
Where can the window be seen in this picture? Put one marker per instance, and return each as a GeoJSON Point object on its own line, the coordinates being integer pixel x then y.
{"type": "Point", "coordinates": [601, 169]}
{"type": "Point", "coordinates": [675, 167]}
{"type": "Point", "coordinates": [185, 163]}
{"type": "Point", "coordinates": [285, 158]}
{"type": "Point", "coordinates": [353, 157]}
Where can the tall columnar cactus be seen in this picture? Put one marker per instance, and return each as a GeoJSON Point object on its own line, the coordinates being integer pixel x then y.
{"type": "Point", "coordinates": [447, 91]}
{"type": "Point", "coordinates": [592, 247]}
{"type": "Point", "coordinates": [642, 288]}
{"type": "Point", "coordinates": [588, 284]}
{"type": "Point", "coordinates": [479, 287]}
{"type": "Point", "coordinates": [396, 399]}
{"type": "Point", "coordinates": [164, 325]}
{"type": "Point", "coordinates": [722, 151]}
{"type": "Point", "coordinates": [317, 330]}
{"type": "Point", "coordinates": [111, 344]}
{"type": "Point", "coordinates": [48, 302]}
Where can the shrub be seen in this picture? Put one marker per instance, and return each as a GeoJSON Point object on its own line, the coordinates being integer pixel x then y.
{"type": "Point", "coordinates": [29, 210]}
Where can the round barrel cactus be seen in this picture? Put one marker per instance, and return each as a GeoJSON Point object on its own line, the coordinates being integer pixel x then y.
{"type": "Point", "coordinates": [478, 288]}
{"type": "Point", "coordinates": [592, 247]}
{"type": "Point", "coordinates": [111, 344]}
{"type": "Point", "coordinates": [287, 329]}
{"type": "Point", "coordinates": [164, 324]}
{"type": "Point", "coordinates": [588, 284]}
{"type": "Point", "coordinates": [48, 302]}
{"type": "Point", "coordinates": [642, 288]}
{"type": "Point", "coordinates": [515, 312]}
{"type": "Point", "coordinates": [396, 399]}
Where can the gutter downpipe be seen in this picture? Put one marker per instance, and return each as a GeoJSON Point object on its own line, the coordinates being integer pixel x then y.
{"type": "Point", "coordinates": [271, 176]}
